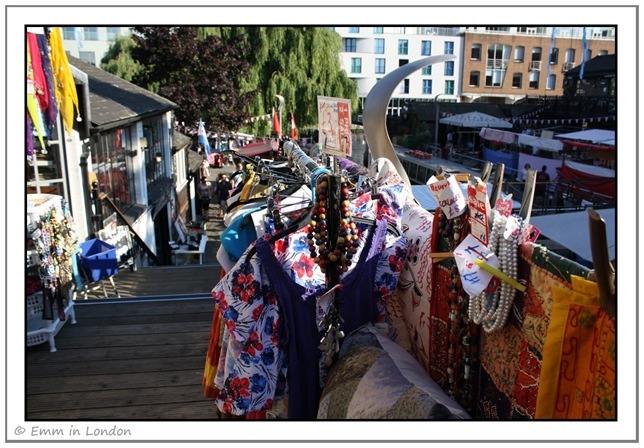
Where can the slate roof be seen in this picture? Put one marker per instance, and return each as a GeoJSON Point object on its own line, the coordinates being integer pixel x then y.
{"type": "Point", "coordinates": [598, 66]}
{"type": "Point", "coordinates": [115, 102]}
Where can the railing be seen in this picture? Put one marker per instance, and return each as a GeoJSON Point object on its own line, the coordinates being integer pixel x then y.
{"type": "Point", "coordinates": [551, 197]}
{"type": "Point", "coordinates": [140, 248]}
{"type": "Point", "coordinates": [567, 66]}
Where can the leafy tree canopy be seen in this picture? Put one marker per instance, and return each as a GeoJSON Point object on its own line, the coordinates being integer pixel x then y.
{"type": "Point", "coordinates": [228, 75]}
{"type": "Point", "coordinates": [118, 59]}
{"type": "Point", "coordinates": [201, 74]}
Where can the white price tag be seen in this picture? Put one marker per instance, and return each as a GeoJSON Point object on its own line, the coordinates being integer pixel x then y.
{"type": "Point", "coordinates": [474, 279]}
{"type": "Point", "coordinates": [449, 196]}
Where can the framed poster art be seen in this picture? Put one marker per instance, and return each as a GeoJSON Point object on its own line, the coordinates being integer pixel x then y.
{"type": "Point", "coordinates": [334, 125]}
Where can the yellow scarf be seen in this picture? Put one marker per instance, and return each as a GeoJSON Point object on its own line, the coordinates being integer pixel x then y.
{"type": "Point", "coordinates": [65, 87]}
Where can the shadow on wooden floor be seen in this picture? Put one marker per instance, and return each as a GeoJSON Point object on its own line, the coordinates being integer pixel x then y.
{"type": "Point", "coordinates": [124, 360]}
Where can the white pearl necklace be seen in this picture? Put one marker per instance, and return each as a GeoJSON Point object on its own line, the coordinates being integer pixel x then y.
{"type": "Point", "coordinates": [492, 310]}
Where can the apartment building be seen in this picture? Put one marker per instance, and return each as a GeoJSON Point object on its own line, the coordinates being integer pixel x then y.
{"type": "Point", "coordinates": [506, 64]}
{"type": "Point", "coordinates": [370, 52]}
{"type": "Point", "coordinates": [90, 43]}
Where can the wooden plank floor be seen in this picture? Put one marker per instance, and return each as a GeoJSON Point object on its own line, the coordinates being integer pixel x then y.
{"type": "Point", "coordinates": [124, 360]}
{"type": "Point", "coordinates": [162, 281]}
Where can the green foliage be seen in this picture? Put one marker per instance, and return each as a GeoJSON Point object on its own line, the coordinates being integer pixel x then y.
{"type": "Point", "coordinates": [118, 59]}
{"type": "Point", "coordinates": [227, 75]}
{"type": "Point", "coordinates": [299, 63]}
{"type": "Point", "coordinates": [203, 75]}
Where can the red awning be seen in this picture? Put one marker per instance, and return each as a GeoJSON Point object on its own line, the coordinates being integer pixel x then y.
{"type": "Point", "coordinates": [588, 179]}
{"type": "Point", "coordinates": [255, 149]}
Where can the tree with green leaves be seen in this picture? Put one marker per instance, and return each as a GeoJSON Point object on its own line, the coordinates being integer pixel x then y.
{"type": "Point", "coordinates": [199, 68]}
{"type": "Point", "coordinates": [203, 75]}
{"type": "Point", "coordinates": [298, 63]}
{"type": "Point", "coordinates": [118, 59]}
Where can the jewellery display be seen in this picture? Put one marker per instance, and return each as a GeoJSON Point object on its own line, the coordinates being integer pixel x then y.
{"type": "Point", "coordinates": [492, 307]}
{"type": "Point", "coordinates": [330, 256]}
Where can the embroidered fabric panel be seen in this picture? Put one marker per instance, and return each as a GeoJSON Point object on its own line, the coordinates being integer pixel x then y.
{"type": "Point", "coordinates": [511, 359]}
{"type": "Point", "coordinates": [587, 376]}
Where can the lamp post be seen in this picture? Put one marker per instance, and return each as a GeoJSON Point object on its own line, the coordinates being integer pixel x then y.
{"type": "Point", "coordinates": [436, 121]}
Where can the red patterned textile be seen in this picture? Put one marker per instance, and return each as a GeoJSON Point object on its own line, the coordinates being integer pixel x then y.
{"type": "Point", "coordinates": [511, 359]}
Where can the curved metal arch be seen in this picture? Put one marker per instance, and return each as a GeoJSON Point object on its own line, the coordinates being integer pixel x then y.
{"type": "Point", "coordinates": [374, 116]}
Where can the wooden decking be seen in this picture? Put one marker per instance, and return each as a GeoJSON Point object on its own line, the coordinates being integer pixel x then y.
{"type": "Point", "coordinates": [166, 281]}
{"type": "Point", "coordinates": [124, 359]}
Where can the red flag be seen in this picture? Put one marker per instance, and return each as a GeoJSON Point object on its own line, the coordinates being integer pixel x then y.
{"type": "Point", "coordinates": [293, 127]}
{"type": "Point", "coordinates": [276, 123]}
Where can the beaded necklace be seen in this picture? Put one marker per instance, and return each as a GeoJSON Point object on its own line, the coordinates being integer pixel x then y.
{"type": "Point", "coordinates": [332, 257]}
{"type": "Point", "coordinates": [463, 336]}
{"type": "Point", "coordinates": [492, 307]}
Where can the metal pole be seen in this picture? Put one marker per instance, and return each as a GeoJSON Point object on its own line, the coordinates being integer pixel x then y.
{"type": "Point", "coordinates": [436, 122]}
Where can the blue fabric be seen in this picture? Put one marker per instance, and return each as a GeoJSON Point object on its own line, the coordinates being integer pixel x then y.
{"type": "Point", "coordinates": [301, 334]}
{"type": "Point", "coordinates": [239, 235]}
{"type": "Point", "coordinates": [510, 160]}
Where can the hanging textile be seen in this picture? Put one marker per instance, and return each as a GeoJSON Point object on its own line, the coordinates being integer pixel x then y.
{"type": "Point", "coordinates": [51, 112]}
{"type": "Point", "coordinates": [511, 358]}
{"type": "Point", "coordinates": [40, 81]}
{"type": "Point", "coordinates": [578, 377]}
{"type": "Point", "coordinates": [252, 369]}
{"type": "Point", "coordinates": [32, 103]}
{"type": "Point", "coordinates": [414, 290]}
{"type": "Point", "coordinates": [66, 94]}
{"type": "Point", "coordinates": [453, 341]}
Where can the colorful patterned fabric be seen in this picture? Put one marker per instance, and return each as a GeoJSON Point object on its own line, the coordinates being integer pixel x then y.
{"type": "Point", "coordinates": [578, 374]}
{"type": "Point", "coordinates": [453, 340]}
{"type": "Point", "coordinates": [414, 290]}
{"type": "Point", "coordinates": [511, 359]}
{"type": "Point", "coordinates": [375, 378]}
{"type": "Point", "coordinates": [251, 363]}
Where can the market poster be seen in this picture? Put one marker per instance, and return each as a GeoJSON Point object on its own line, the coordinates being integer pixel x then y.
{"type": "Point", "coordinates": [334, 125]}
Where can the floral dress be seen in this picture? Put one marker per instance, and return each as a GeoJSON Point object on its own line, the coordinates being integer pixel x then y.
{"type": "Point", "coordinates": [252, 370]}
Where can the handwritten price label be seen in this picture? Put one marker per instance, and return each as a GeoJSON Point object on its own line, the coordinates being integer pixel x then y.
{"type": "Point", "coordinates": [474, 279]}
{"type": "Point", "coordinates": [449, 196]}
{"type": "Point", "coordinates": [478, 201]}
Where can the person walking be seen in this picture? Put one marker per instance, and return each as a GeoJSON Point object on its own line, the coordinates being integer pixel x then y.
{"type": "Point", "coordinates": [205, 191]}
{"type": "Point", "coordinates": [222, 190]}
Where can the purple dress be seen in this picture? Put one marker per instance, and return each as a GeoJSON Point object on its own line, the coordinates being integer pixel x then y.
{"type": "Point", "coordinates": [301, 334]}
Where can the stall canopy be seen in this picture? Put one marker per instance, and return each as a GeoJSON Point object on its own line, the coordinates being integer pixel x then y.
{"type": "Point", "coordinates": [556, 227]}
{"type": "Point", "coordinates": [497, 135]}
{"type": "Point", "coordinates": [588, 179]}
{"type": "Point", "coordinates": [547, 144]}
{"type": "Point", "coordinates": [255, 149]}
{"type": "Point", "coordinates": [476, 120]}
{"type": "Point", "coordinates": [597, 136]}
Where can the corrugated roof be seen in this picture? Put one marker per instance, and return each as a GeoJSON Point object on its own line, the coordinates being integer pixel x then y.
{"type": "Point", "coordinates": [115, 101]}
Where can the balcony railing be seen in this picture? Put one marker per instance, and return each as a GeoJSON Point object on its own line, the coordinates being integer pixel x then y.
{"type": "Point", "coordinates": [567, 66]}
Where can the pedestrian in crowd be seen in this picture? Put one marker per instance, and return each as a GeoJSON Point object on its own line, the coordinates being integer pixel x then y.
{"type": "Point", "coordinates": [205, 192]}
{"type": "Point", "coordinates": [542, 181]}
{"type": "Point", "coordinates": [222, 190]}
{"type": "Point", "coordinates": [523, 174]}
{"type": "Point", "coordinates": [237, 176]}
{"type": "Point", "coordinates": [205, 168]}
